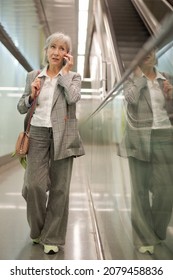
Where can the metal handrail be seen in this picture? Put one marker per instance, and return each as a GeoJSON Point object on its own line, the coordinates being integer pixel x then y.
{"type": "Point", "coordinates": [148, 18]}
{"type": "Point", "coordinates": [7, 41]}
{"type": "Point", "coordinates": [168, 4]}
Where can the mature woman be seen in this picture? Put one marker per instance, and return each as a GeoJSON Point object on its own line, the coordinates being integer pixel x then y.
{"type": "Point", "coordinates": [148, 143]}
{"type": "Point", "coordinates": [54, 142]}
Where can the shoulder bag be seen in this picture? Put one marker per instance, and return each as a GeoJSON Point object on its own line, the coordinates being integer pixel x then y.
{"type": "Point", "coordinates": [22, 144]}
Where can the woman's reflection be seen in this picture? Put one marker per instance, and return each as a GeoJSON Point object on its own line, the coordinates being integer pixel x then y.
{"type": "Point", "coordinates": [148, 144]}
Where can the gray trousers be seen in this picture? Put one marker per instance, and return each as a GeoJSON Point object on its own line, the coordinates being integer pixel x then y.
{"type": "Point", "coordinates": [46, 188]}
{"type": "Point", "coordinates": [152, 190]}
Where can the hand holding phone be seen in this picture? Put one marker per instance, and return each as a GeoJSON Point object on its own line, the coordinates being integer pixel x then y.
{"type": "Point", "coordinates": [68, 63]}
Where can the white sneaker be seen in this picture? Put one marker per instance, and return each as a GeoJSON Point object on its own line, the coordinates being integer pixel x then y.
{"type": "Point", "coordinates": [36, 240]}
{"type": "Point", "coordinates": [50, 249]}
{"type": "Point", "coordinates": [146, 249]}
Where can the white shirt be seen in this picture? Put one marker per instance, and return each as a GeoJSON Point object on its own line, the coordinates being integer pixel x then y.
{"type": "Point", "coordinates": [42, 114]}
{"type": "Point", "coordinates": [160, 116]}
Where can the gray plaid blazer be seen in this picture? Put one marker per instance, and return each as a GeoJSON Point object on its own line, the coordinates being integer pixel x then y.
{"type": "Point", "coordinates": [67, 140]}
{"type": "Point", "coordinates": [136, 140]}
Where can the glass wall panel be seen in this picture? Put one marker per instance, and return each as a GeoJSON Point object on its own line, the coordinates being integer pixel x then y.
{"type": "Point", "coordinates": [129, 146]}
{"type": "Point", "coordinates": [20, 21]}
{"type": "Point", "coordinates": [12, 80]}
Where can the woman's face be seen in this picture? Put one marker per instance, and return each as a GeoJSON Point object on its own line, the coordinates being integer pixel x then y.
{"type": "Point", "coordinates": [56, 52]}
{"type": "Point", "coordinates": [149, 60]}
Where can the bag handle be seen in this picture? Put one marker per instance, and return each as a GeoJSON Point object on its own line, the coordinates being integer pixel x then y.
{"type": "Point", "coordinates": [32, 110]}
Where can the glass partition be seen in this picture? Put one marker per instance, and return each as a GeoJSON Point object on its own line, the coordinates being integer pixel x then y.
{"type": "Point", "coordinates": [12, 83]}
{"type": "Point", "coordinates": [20, 22]}
{"type": "Point", "coordinates": [129, 148]}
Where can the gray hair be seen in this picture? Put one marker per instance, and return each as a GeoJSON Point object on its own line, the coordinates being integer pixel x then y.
{"type": "Point", "coordinates": [57, 36]}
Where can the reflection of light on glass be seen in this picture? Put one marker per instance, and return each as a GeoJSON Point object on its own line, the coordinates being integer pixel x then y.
{"type": "Point", "coordinates": [78, 202]}
{"type": "Point", "coordinates": [15, 194]}
{"type": "Point", "coordinates": [11, 206]}
{"type": "Point", "coordinates": [170, 229]}
{"type": "Point", "coordinates": [78, 194]}
{"type": "Point", "coordinates": [94, 67]}
{"type": "Point", "coordinates": [63, 4]}
{"type": "Point", "coordinates": [11, 91]}
{"type": "Point", "coordinates": [89, 93]}
{"type": "Point", "coordinates": [83, 5]}
{"type": "Point", "coordinates": [112, 209]}
{"type": "Point", "coordinates": [105, 209]}
{"type": "Point", "coordinates": [86, 96]}
{"type": "Point", "coordinates": [14, 94]}
{"type": "Point", "coordinates": [83, 20]}
{"type": "Point", "coordinates": [16, 42]}
{"type": "Point", "coordinates": [7, 206]}
{"type": "Point", "coordinates": [77, 209]}
{"type": "Point", "coordinates": [12, 88]}
{"type": "Point", "coordinates": [90, 90]}
{"type": "Point", "coordinates": [80, 64]}
{"type": "Point", "coordinates": [77, 239]}
{"type": "Point", "coordinates": [21, 207]}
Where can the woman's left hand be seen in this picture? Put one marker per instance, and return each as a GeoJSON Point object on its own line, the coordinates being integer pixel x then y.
{"type": "Point", "coordinates": [68, 63]}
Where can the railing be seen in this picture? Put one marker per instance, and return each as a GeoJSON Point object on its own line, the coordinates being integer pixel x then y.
{"type": "Point", "coordinates": [168, 3]}
{"type": "Point", "coordinates": [148, 18]}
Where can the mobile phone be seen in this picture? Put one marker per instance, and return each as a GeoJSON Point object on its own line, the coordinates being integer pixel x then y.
{"type": "Point", "coordinates": [64, 61]}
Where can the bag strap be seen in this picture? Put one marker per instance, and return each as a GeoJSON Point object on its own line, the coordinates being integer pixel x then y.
{"type": "Point", "coordinates": [32, 110]}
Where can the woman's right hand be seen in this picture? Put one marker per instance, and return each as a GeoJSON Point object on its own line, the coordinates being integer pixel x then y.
{"type": "Point", "coordinates": [35, 88]}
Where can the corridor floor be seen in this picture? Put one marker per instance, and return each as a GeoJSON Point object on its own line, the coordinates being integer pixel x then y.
{"type": "Point", "coordinates": [15, 242]}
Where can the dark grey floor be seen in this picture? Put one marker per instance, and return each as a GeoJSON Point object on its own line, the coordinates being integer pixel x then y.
{"type": "Point", "coordinates": [15, 243]}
